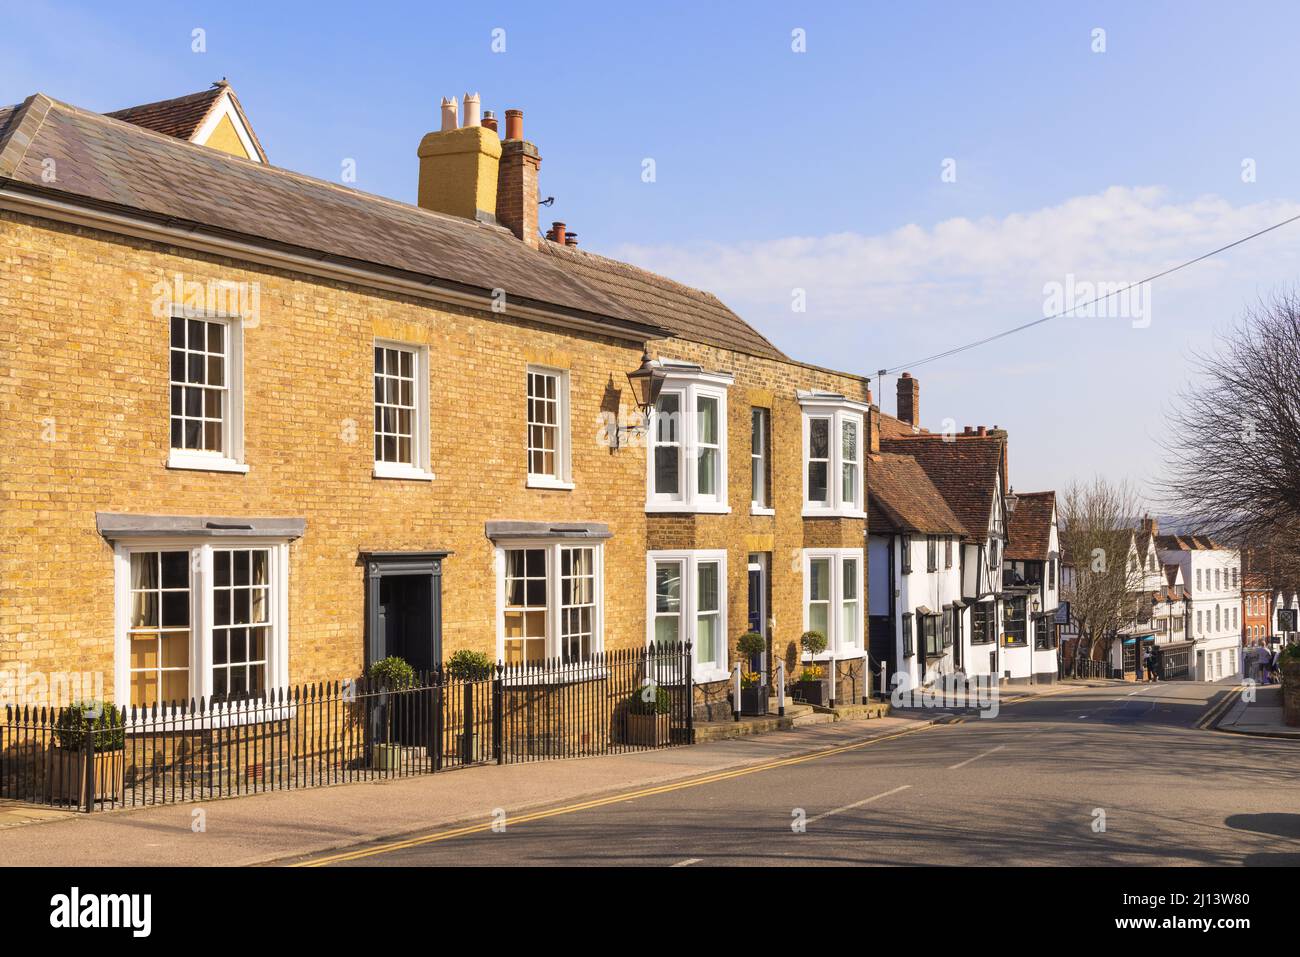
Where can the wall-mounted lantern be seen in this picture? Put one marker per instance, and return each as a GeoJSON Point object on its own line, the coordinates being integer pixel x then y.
{"type": "Point", "coordinates": [646, 382]}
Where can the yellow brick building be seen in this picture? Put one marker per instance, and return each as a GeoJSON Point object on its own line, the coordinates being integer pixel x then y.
{"type": "Point", "coordinates": [262, 429]}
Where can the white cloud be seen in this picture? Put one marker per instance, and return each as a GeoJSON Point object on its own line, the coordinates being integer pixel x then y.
{"type": "Point", "coordinates": [1081, 396]}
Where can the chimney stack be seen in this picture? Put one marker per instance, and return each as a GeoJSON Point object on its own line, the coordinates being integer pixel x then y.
{"type": "Point", "coordinates": [460, 165]}
{"type": "Point", "coordinates": [516, 206]}
{"type": "Point", "coordinates": [909, 399]}
{"type": "Point", "coordinates": [490, 120]}
{"type": "Point", "coordinates": [1150, 526]}
{"type": "Point", "coordinates": [557, 233]}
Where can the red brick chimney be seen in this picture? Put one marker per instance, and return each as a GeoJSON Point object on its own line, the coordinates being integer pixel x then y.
{"type": "Point", "coordinates": [1151, 526]}
{"type": "Point", "coordinates": [909, 399]}
{"type": "Point", "coordinates": [517, 181]}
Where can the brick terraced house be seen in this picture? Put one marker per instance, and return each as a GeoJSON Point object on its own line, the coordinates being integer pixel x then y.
{"type": "Point", "coordinates": [262, 428]}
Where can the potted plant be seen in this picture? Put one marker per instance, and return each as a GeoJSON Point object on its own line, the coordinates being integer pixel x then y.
{"type": "Point", "coordinates": [753, 693]}
{"type": "Point", "coordinates": [752, 647]}
{"type": "Point", "coordinates": [79, 727]}
{"type": "Point", "coordinates": [388, 674]}
{"type": "Point", "coordinates": [648, 722]}
{"type": "Point", "coordinates": [470, 668]}
{"type": "Point", "coordinates": [808, 684]}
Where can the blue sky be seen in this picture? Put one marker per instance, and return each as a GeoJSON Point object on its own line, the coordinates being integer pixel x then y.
{"type": "Point", "coordinates": [820, 170]}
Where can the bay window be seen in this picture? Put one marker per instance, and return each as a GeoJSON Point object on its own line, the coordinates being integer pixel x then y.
{"type": "Point", "coordinates": [832, 598]}
{"type": "Point", "coordinates": [687, 460]}
{"type": "Point", "coordinates": [200, 620]}
{"type": "Point", "coordinates": [550, 602]}
{"type": "Point", "coordinates": [686, 600]}
{"type": "Point", "coordinates": [832, 455]}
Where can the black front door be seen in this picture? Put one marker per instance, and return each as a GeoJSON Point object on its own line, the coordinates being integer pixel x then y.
{"type": "Point", "coordinates": [404, 607]}
{"type": "Point", "coordinates": [406, 620]}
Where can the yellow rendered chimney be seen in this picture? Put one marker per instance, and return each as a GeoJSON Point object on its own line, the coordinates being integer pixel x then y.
{"type": "Point", "coordinates": [459, 166]}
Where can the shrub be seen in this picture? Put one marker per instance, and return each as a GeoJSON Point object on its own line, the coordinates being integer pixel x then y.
{"type": "Point", "coordinates": [393, 673]}
{"type": "Point", "coordinates": [97, 716]}
{"type": "Point", "coordinates": [751, 643]}
{"type": "Point", "coordinates": [814, 642]}
{"type": "Point", "coordinates": [811, 673]}
{"type": "Point", "coordinates": [467, 665]}
{"type": "Point", "coordinates": [649, 699]}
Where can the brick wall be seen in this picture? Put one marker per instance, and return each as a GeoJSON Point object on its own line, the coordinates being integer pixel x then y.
{"type": "Point", "coordinates": [81, 351]}
{"type": "Point", "coordinates": [84, 411]}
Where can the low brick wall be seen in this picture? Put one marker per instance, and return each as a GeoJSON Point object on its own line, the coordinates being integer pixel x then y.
{"type": "Point", "coordinates": [1291, 692]}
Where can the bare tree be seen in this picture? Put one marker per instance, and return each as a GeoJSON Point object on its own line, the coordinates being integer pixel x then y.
{"type": "Point", "coordinates": [1234, 439]}
{"type": "Point", "coordinates": [1096, 529]}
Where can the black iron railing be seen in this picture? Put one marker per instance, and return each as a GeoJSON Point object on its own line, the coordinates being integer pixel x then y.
{"type": "Point", "coordinates": [1080, 667]}
{"type": "Point", "coordinates": [336, 732]}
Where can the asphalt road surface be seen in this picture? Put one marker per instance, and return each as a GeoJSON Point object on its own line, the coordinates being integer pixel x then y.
{"type": "Point", "coordinates": [1113, 776]}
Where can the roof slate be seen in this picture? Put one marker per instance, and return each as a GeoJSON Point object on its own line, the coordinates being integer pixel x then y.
{"type": "Point", "coordinates": [694, 314]}
{"type": "Point", "coordinates": [113, 163]}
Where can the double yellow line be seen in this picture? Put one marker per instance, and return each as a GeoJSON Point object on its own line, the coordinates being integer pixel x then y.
{"type": "Point", "coordinates": [600, 802]}
{"type": "Point", "coordinates": [1215, 712]}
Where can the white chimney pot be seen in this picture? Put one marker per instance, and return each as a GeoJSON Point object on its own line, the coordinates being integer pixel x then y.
{"type": "Point", "coordinates": [472, 117]}
{"type": "Point", "coordinates": [449, 119]}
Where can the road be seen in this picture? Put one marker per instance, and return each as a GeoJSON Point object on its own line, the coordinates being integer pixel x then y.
{"type": "Point", "coordinates": [1100, 776]}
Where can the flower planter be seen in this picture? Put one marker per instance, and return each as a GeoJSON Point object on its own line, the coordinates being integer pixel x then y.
{"type": "Point", "coordinates": [811, 692]}
{"type": "Point", "coordinates": [386, 757]}
{"type": "Point", "coordinates": [1291, 692]}
{"type": "Point", "coordinates": [649, 730]}
{"type": "Point", "coordinates": [70, 784]}
{"type": "Point", "coordinates": [753, 701]}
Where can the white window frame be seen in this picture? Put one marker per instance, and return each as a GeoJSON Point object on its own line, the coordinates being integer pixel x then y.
{"type": "Point", "coordinates": [836, 644]}
{"type": "Point", "coordinates": [690, 559]}
{"type": "Point", "coordinates": [418, 469]}
{"type": "Point", "coordinates": [554, 646]}
{"type": "Point", "coordinates": [202, 612]}
{"type": "Point", "coordinates": [231, 456]}
{"type": "Point", "coordinates": [692, 383]}
{"type": "Point", "coordinates": [563, 475]}
{"type": "Point", "coordinates": [762, 459]}
{"type": "Point", "coordinates": [838, 410]}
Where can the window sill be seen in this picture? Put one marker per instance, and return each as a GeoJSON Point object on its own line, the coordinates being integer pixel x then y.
{"type": "Point", "coordinates": [761, 510]}
{"type": "Point", "coordinates": [816, 512]}
{"type": "Point", "coordinates": [850, 654]}
{"type": "Point", "coordinates": [387, 470]}
{"type": "Point", "coordinates": [197, 462]}
{"type": "Point", "coordinates": [548, 482]}
{"type": "Point", "coordinates": [686, 508]}
{"type": "Point", "coordinates": [709, 675]}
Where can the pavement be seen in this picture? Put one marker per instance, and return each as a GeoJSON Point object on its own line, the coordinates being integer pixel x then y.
{"type": "Point", "coordinates": [921, 786]}
{"type": "Point", "coordinates": [1256, 710]}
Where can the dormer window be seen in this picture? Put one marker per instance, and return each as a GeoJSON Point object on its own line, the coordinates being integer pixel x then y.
{"type": "Point", "coordinates": [687, 460]}
{"type": "Point", "coordinates": [832, 454]}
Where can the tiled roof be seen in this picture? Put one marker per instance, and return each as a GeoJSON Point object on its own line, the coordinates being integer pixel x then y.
{"type": "Point", "coordinates": [1029, 527]}
{"type": "Point", "coordinates": [695, 315]}
{"type": "Point", "coordinates": [1186, 543]}
{"type": "Point", "coordinates": [893, 428]}
{"type": "Point", "coordinates": [181, 116]}
{"type": "Point", "coordinates": [108, 163]}
{"type": "Point", "coordinates": [901, 497]}
{"type": "Point", "coordinates": [963, 468]}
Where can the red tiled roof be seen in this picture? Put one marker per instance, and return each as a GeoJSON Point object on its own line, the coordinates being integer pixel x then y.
{"type": "Point", "coordinates": [181, 116]}
{"type": "Point", "coordinates": [1029, 527]}
{"type": "Point", "coordinates": [901, 497]}
{"type": "Point", "coordinates": [1186, 543]}
{"type": "Point", "coordinates": [964, 468]}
